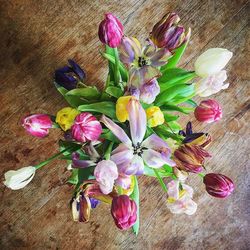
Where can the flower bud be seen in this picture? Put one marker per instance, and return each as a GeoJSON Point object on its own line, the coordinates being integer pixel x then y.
{"type": "Point", "coordinates": [124, 211]}
{"type": "Point", "coordinates": [190, 158]}
{"type": "Point", "coordinates": [110, 31]}
{"type": "Point", "coordinates": [86, 128]}
{"type": "Point", "coordinates": [81, 207]}
{"type": "Point", "coordinates": [37, 125]}
{"type": "Point", "coordinates": [17, 179]}
{"type": "Point", "coordinates": [208, 111]}
{"type": "Point", "coordinates": [218, 185]}
{"type": "Point", "coordinates": [212, 61]}
{"type": "Point", "coordinates": [167, 33]}
{"type": "Point", "coordinates": [155, 116]}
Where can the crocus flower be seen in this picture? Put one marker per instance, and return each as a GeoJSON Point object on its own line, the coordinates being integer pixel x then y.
{"type": "Point", "coordinates": [130, 155]}
{"type": "Point", "coordinates": [212, 61]}
{"type": "Point", "coordinates": [218, 185]}
{"type": "Point", "coordinates": [180, 201]}
{"type": "Point", "coordinates": [208, 111]}
{"type": "Point", "coordinates": [167, 33]}
{"type": "Point", "coordinates": [212, 84]}
{"type": "Point", "coordinates": [69, 76]}
{"type": "Point", "coordinates": [142, 62]}
{"type": "Point", "coordinates": [86, 128]}
{"type": "Point", "coordinates": [190, 158]}
{"type": "Point", "coordinates": [37, 125]}
{"type": "Point", "coordinates": [110, 31]}
{"type": "Point", "coordinates": [155, 116]}
{"type": "Point", "coordinates": [124, 211]}
{"type": "Point", "coordinates": [17, 179]}
{"type": "Point", "coordinates": [106, 173]}
{"type": "Point", "coordinates": [65, 117]}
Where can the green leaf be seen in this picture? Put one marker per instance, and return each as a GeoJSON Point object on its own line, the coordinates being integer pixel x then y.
{"type": "Point", "coordinates": [179, 100]}
{"type": "Point", "coordinates": [171, 107]}
{"type": "Point", "coordinates": [114, 91]}
{"type": "Point", "coordinates": [192, 103]}
{"type": "Point", "coordinates": [71, 145]}
{"type": "Point", "coordinates": [163, 132]}
{"type": "Point", "coordinates": [89, 93]}
{"type": "Point", "coordinates": [160, 180]}
{"type": "Point", "coordinates": [135, 196]}
{"type": "Point", "coordinates": [174, 126]}
{"type": "Point", "coordinates": [106, 108]}
{"type": "Point", "coordinates": [169, 117]}
{"type": "Point", "coordinates": [108, 135]}
{"type": "Point", "coordinates": [73, 179]}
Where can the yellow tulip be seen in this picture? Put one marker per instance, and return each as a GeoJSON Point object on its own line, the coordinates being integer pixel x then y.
{"type": "Point", "coordinates": [121, 108]}
{"type": "Point", "coordinates": [155, 116]}
{"type": "Point", "coordinates": [65, 117]}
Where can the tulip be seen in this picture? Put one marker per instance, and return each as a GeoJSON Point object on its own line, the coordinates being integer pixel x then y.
{"type": "Point", "coordinates": [121, 108]}
{"type": "Point", "coordinates": [124, 211]}
{"type": "Point", "coordinates": [212, 61]}
{"type": "Point", "coordinates": [65, 117]}
{"type": "Point", "coordinates": [155, 116]}
{"type": "Point", "coordinates": [218, 185]}
{"type": "Point", "coordinates": [69, 76]}
{"type": "Point", "coordinates": [190, 158]}
{"type": "Point", "coordinates": [81, 207]}
{"type": "Point", "coordinates": [167, 33]}
{"type": "Point", "coordinates": [110, 31]}
{"type": "Point", "coordinates": [17, 179]}
{"type": "Point", "coordinates": [37, 125]}
{"type": "Point", "coordinates": [86, 128]}
{"type": "Point", "coordinates": [106, 173]}
{"type": "Point", "coordinates": [208, 111]}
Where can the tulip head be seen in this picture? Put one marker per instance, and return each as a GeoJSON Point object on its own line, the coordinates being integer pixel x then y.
{"type": "Point", "coordinates": [124, 211]}
{"type": "Point", "coordinates": [212, 61]}
{"type": "Point", "coordinates": [86, 128]}
{"type": "Point", "coordinates": [208, 111]}
{"type": "Point", "coordinates": [155, 116]}
{"type": "Point", "coordinates": [110, 31]}
{"type": "Point", "coordinates": [65, 117]}
{"type": "Point", "coordinates": [37, 125]}
{"type": "Point", "coordinates": [81, 207]}
{"type": "Point", "coordinates": [218, 185]}
{"type": "Point", "coordinates": [167, 33]}
{"type": "Point", "coordinates": [17, 179]}
{"type": "Point", "coordinates": [190, 158]}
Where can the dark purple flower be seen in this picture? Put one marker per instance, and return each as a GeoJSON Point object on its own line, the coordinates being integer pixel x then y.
{"type": "Point", "coordinates": [68, 76]}
{"type": "Point", "coordinates": [94, 202]}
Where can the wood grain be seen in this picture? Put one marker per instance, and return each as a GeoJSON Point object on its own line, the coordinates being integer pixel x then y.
{"type": "Point", "coordinates": [39, 36]}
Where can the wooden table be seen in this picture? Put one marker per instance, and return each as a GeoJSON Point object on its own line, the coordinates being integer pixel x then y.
{"type": "Point", "coordinates": [39, 36]}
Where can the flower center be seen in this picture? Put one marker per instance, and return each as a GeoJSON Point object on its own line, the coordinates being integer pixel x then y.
{"type": "Point", "coordinates": [138, 150]}
{"type": "Point", "coordinates": [142, 61]}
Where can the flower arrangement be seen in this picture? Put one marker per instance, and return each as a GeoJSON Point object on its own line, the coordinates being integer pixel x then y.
{"type": "Point", "coordinates": [129, 128]}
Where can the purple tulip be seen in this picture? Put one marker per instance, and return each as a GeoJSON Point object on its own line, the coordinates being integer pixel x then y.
{"type": "Point", "coordinates": [110, 31]}
{"type": "Point", "coordinates": [37, 125]}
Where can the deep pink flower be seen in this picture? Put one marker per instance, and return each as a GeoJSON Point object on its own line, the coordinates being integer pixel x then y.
{"type": "Point", "coordinates": [208, 111]}
{"type": "Point", "coordinates": [124, 211]}
{"type": "Point", "coordinates": [37, 125]}
{"type": "Point", "coordinates": [218, 185]}
{"type": "Point", "coordinates": [86, 128]}
{"type": "Point", "coordinates": [110, 31]}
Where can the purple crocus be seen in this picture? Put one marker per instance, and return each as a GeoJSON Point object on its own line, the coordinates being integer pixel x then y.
{"type": "Point", "coordinates": [69, 76]}
{"type": "Point", "coordinates": [142, 61]}
{"type": "Point", "coordinates": [131, 154]}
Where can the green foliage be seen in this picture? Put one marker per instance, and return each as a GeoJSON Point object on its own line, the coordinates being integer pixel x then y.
{"type": "Point", "coordinates": [135, 196]}
{"type": "Point", "coordinates": [89, 93]}
{"type": "Point", "coordinates": [171, 107]}
{"type": "Point", "coordinates": [114, 91]}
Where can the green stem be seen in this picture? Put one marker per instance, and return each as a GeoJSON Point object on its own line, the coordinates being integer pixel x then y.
{"type": "Point", "coordinates": [108, 151]}
{"type": "Point", "coordinates": [201, 175]}
{"type": "Point", "coordinates": [117, 62]}
{"type": "Point", "coordinates": [160, 180]}
{"type": "Point", "coordinates": [43, 163]}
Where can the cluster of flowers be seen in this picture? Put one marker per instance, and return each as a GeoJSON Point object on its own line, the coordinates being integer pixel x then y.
{"type": "Point", "coordinates": [130, 128]}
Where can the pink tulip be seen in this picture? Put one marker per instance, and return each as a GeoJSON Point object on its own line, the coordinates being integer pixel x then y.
{"type": "Point", "coordinates": [106, 173]}
{"type": "Point", "coordinates": [86, 128]}
{"type": "Point", "coordinates": [208, 111]}
{"type": "Point", "coordinates": [37, 125]}
{"type": "Point", "coordinates": [110, 31]}
{"type": "Point", "coordinates": [124, 211]}
{"type": "Point", "coordinates": [218, 185]}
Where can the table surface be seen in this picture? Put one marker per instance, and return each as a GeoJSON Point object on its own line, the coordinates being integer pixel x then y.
{"type": "Point", "coordinates": [39, 36]}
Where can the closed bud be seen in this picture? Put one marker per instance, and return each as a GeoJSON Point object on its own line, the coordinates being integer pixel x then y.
{"type": "Point", "coordinates": [124, 211]}
{"type": "Point", "coordinates": [110, 31]}
{"type": "Point", "coordinates": [218, 185]}
{"type": "Point", "coordinates": [208, 111]}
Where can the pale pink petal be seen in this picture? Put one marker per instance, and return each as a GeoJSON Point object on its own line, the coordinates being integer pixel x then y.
{"type": "Point", "coordinates": [136, 166]}
{"type": "Point", "coordinates": [173, 189]}
{"type": "Point", "coordinates": [123, 181]}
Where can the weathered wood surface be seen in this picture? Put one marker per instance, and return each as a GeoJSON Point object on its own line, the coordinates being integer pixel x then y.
{"type": "Point", "coordinates": [36, 38]}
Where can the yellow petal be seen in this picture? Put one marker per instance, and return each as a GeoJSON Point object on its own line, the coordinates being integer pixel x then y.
{"type": "Point", "coordinates": [155, 116]}
{"type": "Point", "coordinates": [121, 108]}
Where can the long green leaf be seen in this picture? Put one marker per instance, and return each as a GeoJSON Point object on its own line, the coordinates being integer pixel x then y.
{"type": "Point", "coordinates": [171, 107]}
{"type": "Point", "coordinates": [160, 180]}
{"type": "Point", "coordinates": [135, 196]}
{"type": "Point", "coordinates": [114, 91]}
{"type": "Point", "coordinates": [88, 93]}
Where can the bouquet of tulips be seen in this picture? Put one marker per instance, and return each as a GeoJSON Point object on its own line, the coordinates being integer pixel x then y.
{"type": "Point", "coordinates": [130, 127]}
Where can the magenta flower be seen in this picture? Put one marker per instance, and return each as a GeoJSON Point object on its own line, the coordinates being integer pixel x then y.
{"type": "Point", "coordinates": [110, 31]}
{"type": "Point", "coordinates": [37, 125]}
{"type": "Point", "coordinates": [86, 128]}
{"type": "Point", "coordinates": [208, 111]}
{"type": "Point", "coordinates": [131, 155]}
{"type": "Point", "coordinates": [124, 211]}
{"type": "Point", "coordinates": [142, 62]}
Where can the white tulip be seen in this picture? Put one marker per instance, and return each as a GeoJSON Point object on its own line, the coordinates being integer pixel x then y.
{"type": "Point", "coordinates": [212, 61]}
{"type": "Point", "coordinates": [17, 179]}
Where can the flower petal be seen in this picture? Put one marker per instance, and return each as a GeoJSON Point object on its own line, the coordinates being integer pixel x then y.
{"type": "Point", "coordinates": [136, 166]}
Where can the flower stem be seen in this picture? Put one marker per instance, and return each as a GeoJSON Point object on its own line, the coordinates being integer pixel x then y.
{"type": "Point", "coordinates": [108, 151]}
{"type": "Point", "coordinates": [43, 163]}
{"type": "Point", "coordinates": [201, 175]}
{"type": "Point", "coordinates": [117, 62]}
{"type": "Point", "coordinates": [160, 180]}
